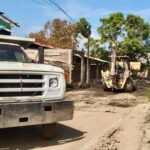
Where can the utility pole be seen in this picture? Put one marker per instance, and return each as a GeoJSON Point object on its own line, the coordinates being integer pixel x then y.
{"type": "Point", "coordinates": [88, 52]}
{"type": "Point", "coordinates": [113, 63]}
{"type": "Point", "coordinates": [113, 60]}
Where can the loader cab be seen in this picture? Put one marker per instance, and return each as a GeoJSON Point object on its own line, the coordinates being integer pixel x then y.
{"type": "Point", "coordinates": [122, 64]}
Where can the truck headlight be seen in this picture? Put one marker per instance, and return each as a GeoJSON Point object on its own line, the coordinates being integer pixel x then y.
{"type": "Point", "coordinates": [53, 82]}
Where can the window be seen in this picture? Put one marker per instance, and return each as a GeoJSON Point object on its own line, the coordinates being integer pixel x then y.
{"type": "Point", "coordinates": [12, 53]}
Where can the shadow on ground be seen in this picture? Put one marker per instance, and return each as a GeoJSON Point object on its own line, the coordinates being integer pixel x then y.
{"type": "Point", "coordinates": [31, 137]}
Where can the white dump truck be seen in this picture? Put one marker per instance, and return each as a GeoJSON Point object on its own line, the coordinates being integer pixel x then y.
{"type": "Point", "coordinates": [30, 93]}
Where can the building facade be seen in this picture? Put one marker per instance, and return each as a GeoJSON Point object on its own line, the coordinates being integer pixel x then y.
{"type": "Point", "coordinates": [73, 62]}
{"type": "Point", "coordinates": [6, 24]}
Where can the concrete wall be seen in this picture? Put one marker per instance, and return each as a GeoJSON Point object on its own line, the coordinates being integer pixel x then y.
{"type": "Point", "coordinates": [62, 55]}
{"type": "Point", "coordinates": [55, 55]}
{"type": "Point", "coordinates": [74, 59]}
{"type": "Point", "coordinates": [32, 54]}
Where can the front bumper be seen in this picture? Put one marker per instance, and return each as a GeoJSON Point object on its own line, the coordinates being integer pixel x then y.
{"type": "Point", "coordinates": [34, 113]}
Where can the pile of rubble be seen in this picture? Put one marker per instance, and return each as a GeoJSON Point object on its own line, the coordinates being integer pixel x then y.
{"type": "Point", "coordinates": [92, 84]}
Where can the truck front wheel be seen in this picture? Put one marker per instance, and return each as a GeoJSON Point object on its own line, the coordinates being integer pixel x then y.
{"type": "Point", "coordinates": [49, 130]}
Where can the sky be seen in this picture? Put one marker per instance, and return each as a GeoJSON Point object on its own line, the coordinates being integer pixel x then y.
{"type": "Point", "coordinates": [32, 14]}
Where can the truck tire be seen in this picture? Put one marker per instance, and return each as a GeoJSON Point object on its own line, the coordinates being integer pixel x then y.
{"type": "Point", "coordinates": [129, 86]}
{"type": "Point", "coordinates": [49, 130]}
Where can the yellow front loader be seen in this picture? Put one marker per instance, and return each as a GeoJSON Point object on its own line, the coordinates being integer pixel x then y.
{"type": "Point", "coordinates": [121, 73]}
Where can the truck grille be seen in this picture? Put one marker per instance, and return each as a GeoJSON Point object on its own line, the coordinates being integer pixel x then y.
{"type": "Point", "coordinates": [13, 85]}
{"type": "Point", "coordinates": [17, 94]}
{"type": "Point", "coordinates": [18, 76]}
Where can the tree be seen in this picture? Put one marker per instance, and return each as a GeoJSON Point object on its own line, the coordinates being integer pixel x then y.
{"type": "Point", "coordinates": [84, 28]}
{"type": "Point", "coordinates": [135, 43]}
{"type": "Point", "coordinates": [39, 37]}
{"type": "Point", "coordinates": [57, 33]}
{"type": "Point", "coordinates": [97, 50]}
{"type": "Point", "coordinates": [62, 34]}
{"type": "Point", "coordinates": [130, 34]}
{"type": "Point", "coordinates": [112, 28]}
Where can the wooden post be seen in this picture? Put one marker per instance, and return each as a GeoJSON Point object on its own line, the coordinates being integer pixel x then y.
{"type": "Point", "coordinates": [41, 55]}
{"type": "Point", "coordinates": [88, 52]}
{"type": "Point", "coordinates": [82, 70]}
{"type": "Point", "coordinates": [97, 71]}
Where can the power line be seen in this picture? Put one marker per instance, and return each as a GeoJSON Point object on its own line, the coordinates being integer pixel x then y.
{"type": "Point", "coordinates": [60, 8]}
{"type": "Point", "coordinates": [46, 2]}
{"type": "Point", "coordinates": [38, 2]}
{"type": "Point", "coordinates": [49, 2]}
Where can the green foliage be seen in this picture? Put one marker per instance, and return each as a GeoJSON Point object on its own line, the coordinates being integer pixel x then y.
{"type": "Point", "coordinates": [131, 48]}
{"type": "Point", "coordinates": [96, 49]}
{"type": "Point", "coordinates": [82, 27]}
{"type": "Point", "coordinates": [131, 34]}
{"type": "Point", "coordinates": [112, 28]}
{"type": "Point", "coordinates": [136, 27]}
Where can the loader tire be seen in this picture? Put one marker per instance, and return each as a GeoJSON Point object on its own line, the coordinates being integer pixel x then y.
{"type": "Point", "coordinates": [129, 86]}
{"type": "Point", "coordinates": [134, 85]}
{"type": "Point", "coordinates": [105, 88]}
{"type": "Point", "coordinates": [49, 130]}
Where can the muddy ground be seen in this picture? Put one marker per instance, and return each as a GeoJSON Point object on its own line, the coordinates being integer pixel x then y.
{"type": "Point", "coordinates": [102, 121]}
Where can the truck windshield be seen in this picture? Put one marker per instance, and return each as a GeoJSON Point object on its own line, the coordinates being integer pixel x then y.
{"type": "Point", "coordinates": [12, 53]}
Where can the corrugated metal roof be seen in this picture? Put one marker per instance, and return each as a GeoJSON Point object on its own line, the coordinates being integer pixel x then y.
{"type": "Point", "coordinates": [7, 20]}
{"type": "Point", "coordinates": [97, 59]}
{"type": "Point", "coordinates": [43, 45]}
{"type": "Point", "coordinates": [25, 42]}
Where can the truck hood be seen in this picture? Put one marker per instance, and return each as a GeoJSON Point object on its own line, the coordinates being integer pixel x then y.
{"type": "Point", "coordinates": [18, 66]}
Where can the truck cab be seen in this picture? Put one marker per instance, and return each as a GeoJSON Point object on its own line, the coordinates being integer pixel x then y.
{"type": "Point", "coordinates": [30, 93]}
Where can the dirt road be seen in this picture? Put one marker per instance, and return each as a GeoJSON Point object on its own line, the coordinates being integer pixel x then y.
{"type": "Point", "coordinates": [102, 121]}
